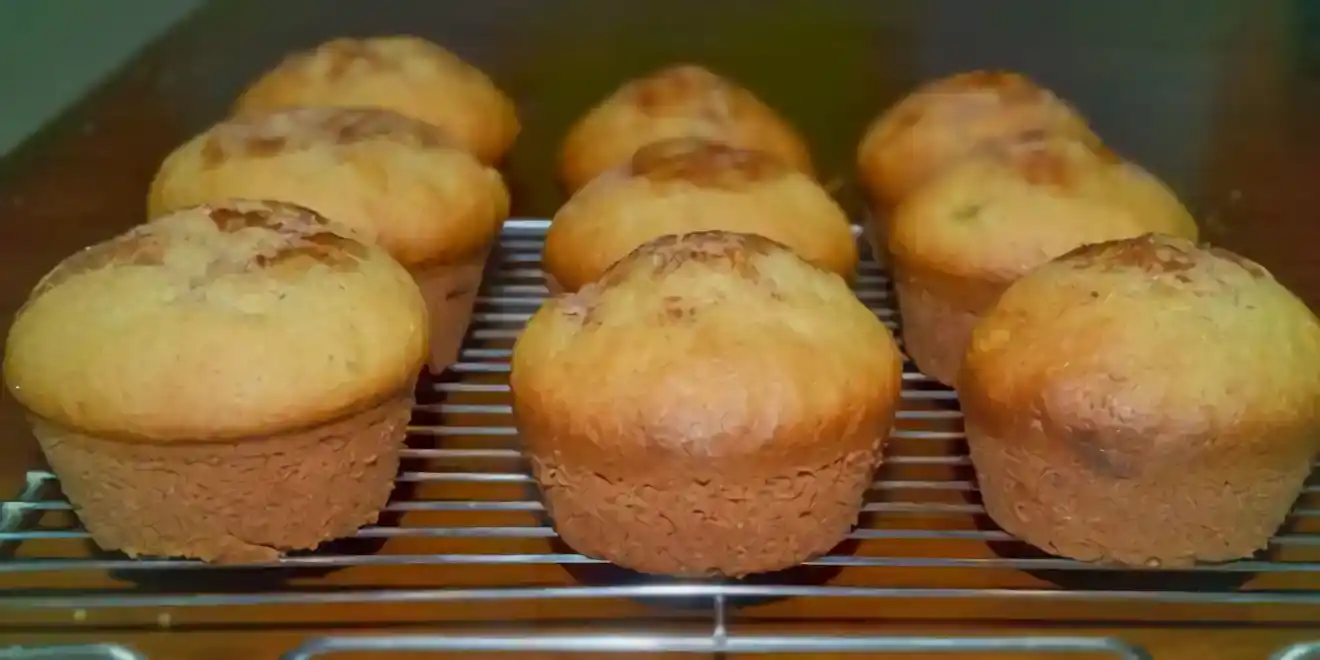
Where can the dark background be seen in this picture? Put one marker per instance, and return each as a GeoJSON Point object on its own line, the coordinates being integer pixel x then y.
{"type": "Point", "coordinates": [1160, 79]}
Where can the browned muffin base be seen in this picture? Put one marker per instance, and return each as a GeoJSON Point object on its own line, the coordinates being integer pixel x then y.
{"type": "Point", "coordinates": [937, 321]}
{"type": "Point", "coordinates": [450, 291]}
{"type": "Point", "coordinates": [702, 528]}
{"type": "Point", "coordinates": [1053, 501]}
{"type": "Point", "coordinates": [231, 502]}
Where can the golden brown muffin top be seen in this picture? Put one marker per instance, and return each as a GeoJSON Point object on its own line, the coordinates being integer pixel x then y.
{"type": "Point", "coordinates": [685, 89]}
{"type": "Point", "coordinates": [706, 164]}
{"type": "Point", "coordinates": [1152, 334]}
{"type": "Point", "coordinates": [216, 322]}
{"type": "Point", "coordinates": [406, 74]}
{"type": "Point", "coordinates": [283, 131]}
{"type": "Point", "coordinates": [686, 185]}
{"type": "Point", "coordinates": [711, 344]}
{"type": "Point", "coordinates": [394, 180]}
{"type": "Point", "coordinates": [1005, 210]}
{"type": "Point", "coordinates": [968, 94]}
{"type": "Point", "coordinates": [945, 120]}
{"type": "Point", "coordinates": [679, 101]}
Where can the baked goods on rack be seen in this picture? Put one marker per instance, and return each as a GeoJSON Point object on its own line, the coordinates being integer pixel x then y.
{"type": "Point", "coordinates": [678, 101]}
{"type": "Point", "coordinates": [1144, 401]}
{"type": "Point", "coordinates": [945, 120]}
{"type": "Point", "coordinates": [684, 185]}
{"type": "Point", "coordinates": [406, 74]}
{"type": "Point", "coordinates": [714, 405]}
{"type": "Point", "coordinates": [226, 382]}
{"type": "Point", "coordinates": [394, 180]}
{"type": "Point", "coordinates": [960, 239]}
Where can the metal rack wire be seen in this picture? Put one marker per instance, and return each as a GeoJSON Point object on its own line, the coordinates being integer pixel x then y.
{"type": "Point", "coordinates": [1016, 647]}
{"type": "Point", "coordinates": [1302, 651]}
{"type": "Point", "coordinates": [923, 537]}
{"type": "Point", "coordinates": [67, 652]}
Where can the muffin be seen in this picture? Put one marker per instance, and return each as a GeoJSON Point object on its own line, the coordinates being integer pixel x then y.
{"type": "Point", "coordinates": [679, 101]}
{"type": "Point", "coordinates": [1144, 402]}
{"type": "Point", "coordinates": [961, 239]}
{"type": "Point", "coordinates": [226, 382]}
{"type": "Point", "coordinates": [685, 185]}
{"type": "Point", "coordinates": [394, 180]}
{"type": "Point", "coordinates": [739, 399]}
{"type": "Point", "coordinates": [944, 121]}
{"type": "Point", "coordinates": [409, 75]}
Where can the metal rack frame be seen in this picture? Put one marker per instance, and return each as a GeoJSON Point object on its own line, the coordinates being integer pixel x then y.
{"type": "Point", "coordinates": [513, 289]}
{"type": "Point", "coordinates": [1300, 651]}
{"type": "Point", "coordinates": [717, 643]}
{"type": "Point", "coordinates": [71, 652]}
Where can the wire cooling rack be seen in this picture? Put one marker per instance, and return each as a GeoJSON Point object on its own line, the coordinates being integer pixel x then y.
{"type": "Point", "coordinates": [67, 652]}
{"type": "Point", "coordinates": [1016, 647]}
{"type": "Point", "coordinates": [465, 538]}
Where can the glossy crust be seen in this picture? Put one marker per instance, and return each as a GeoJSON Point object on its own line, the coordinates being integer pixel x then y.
{"type": "Point", "coordinates": [945, 120]}
{"type": "Point", "coordinates": [406, 74]}
{"type": "Point", "coordinates": [397, 181]}
{"type": "Point", "coordinates": [1145, 402]}
{"type": "Point", "coordinates": [737, 405]}
{"type": "Point", "coordinates": [967, 234]}
{"type": "Point", "coordinates": [679, 101]}
{"type": "Point", "coordinates": [217, 322]}
{"type": "Point", "coordinates": [685, 185]}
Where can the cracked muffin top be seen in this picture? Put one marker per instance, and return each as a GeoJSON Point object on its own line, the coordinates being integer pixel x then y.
{"type": "Point", "coordinates": [945, 120]}
{"type": "Point", "coordinates": [683, 100]}
{"type": "Point", "coordinates": [408, 75]}
{"type": "Point", "coordinates": [1152, 333]}
{"type": "Point", "coordinates": [397, 181]}
{"type": "Point", "coordinates": [709, 345]}
{"type": "Point", "coordinates": [1000, 213]}
{"type": "Point", "coordinates": [217, 322]}
{"type": "Point", "coordinates": [686, 185]}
